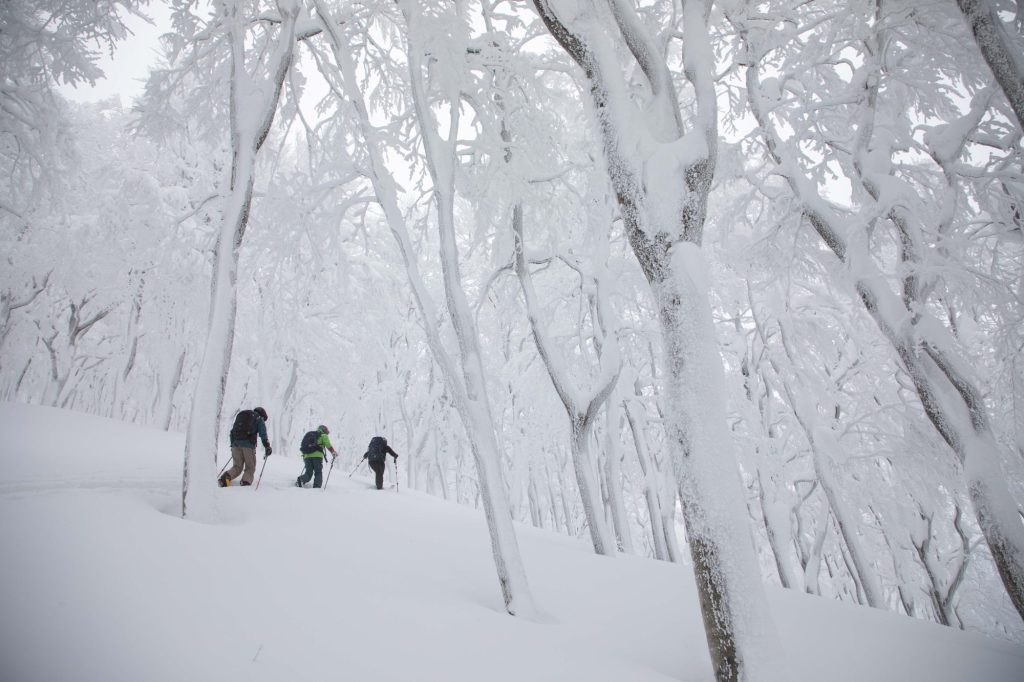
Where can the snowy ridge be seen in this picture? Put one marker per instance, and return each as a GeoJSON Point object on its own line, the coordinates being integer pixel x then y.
{"type": "Point", "coordinates": [102, 581]}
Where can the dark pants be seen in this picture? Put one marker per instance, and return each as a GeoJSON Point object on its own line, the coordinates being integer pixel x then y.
{"type": "Point", "coordinates": [314, 469]}
{"type": "Point", "coordinates": [378, 469]}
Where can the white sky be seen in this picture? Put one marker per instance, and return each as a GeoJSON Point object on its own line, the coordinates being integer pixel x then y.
{"type": "Point", "coordinates": [127, 70]}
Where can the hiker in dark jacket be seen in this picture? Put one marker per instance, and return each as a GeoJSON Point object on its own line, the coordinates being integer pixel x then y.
{"type": "Point", "coordinates": [249, 425]}
{"type": "Point", "coordinates": [313, 460]}
{"type": "Point", "coordinates": [376, 456]}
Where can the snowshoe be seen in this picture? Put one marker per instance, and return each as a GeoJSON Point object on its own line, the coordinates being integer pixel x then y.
{"type": "Point", "coordinates": [224, 481]}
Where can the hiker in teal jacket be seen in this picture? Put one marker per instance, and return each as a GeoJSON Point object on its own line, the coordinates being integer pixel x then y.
{"type": "Point", "coordinates": [249, 426]}
{"type": "Point", "coordinates": [314, 461]}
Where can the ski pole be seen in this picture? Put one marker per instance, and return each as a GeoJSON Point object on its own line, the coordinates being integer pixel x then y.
{"type": "Point", "coordinates": [396, 473]}
{"type": "Point", "coordinates": [261, 473]}
{"type": "Point", "coordinates": [354, 468]}
{"type": "Point", "coordinates": [328, 476]}
{"type": "Point", "coordinates": [224, 467]}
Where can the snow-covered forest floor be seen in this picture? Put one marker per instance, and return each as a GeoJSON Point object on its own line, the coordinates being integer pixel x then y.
{"type": "Point", "coordinates": [101, 580]}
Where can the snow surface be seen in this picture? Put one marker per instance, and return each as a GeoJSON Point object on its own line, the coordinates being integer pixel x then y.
{"type": "Point", "coordinates": [101, 580]}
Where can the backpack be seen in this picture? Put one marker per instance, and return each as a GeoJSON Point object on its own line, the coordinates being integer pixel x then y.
{"type": "Point", "coordinates": [376, 451]}
{"type": "Point", "coordinates": [244, 427]}
{"type": "Point", "coordinates": [309, 443]}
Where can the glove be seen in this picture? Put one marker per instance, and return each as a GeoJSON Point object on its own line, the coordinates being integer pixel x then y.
{"type": "Point", "coordinates": [267, 450]}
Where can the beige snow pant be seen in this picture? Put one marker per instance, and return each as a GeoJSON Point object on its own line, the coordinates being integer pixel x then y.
{"type": "Point", "coordinates": [242, 459]}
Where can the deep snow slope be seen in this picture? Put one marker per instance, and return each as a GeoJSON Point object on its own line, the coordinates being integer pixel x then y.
{"type": "Point", "coordinates": [101, 581]}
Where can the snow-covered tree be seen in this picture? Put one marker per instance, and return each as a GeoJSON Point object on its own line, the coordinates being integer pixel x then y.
{"type": "Point", "coordinates": [254, 80]}
{"type": "Point", "coordinates": [464, 377]}
{"type": "Point", "coordinates": [661, 167]}
{"type": "Point", "coordinates": [900, 257]}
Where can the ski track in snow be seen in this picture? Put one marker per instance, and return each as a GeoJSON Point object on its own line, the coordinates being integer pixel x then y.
{"type": "Point", "coordinates": [122, 484]}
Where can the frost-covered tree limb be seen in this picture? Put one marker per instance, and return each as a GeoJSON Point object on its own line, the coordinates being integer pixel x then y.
{"type": "Point", "coordinates": [11, 301]}
{"type": "Point", "coordinates": [1003, 51]}
{"type": "Point", "coordinates": [950, 399]}
{"type": "Point", "coordinates": [47, 43]}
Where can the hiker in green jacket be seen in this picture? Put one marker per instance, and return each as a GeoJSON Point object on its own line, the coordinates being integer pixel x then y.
{"type": "Point", "coordinates": [314, 447]}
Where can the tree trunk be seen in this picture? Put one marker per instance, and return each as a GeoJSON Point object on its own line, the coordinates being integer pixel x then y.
{"type": "Point", "coordinates": [165, 406]}
{"type": "Point", "coordinates": [654, 511]}
{"type": "Point", "coordinates": [204, 419]}
{"type": "Point", "coordinates": [710, 490]}
{"type": "Point", "coordinates": [779, 539]}
{"type": "Point", "coordinates": [613, 476]}
{"type": "Point", "coordinates": [662, 197]}
{"type": "Point", "coordinates": [583, 465]}
{"type": "Point", "coordinates": [1001, 51]}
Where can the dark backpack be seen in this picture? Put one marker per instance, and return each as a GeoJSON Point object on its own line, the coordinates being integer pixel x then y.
{"type": "Point", "coordinates": [244, 427]}
{"type": "Point", "coordinates": [376, 452]}
{"type": "Point", "coordinates": [309, 443]}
